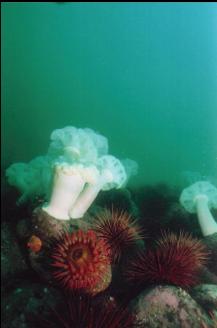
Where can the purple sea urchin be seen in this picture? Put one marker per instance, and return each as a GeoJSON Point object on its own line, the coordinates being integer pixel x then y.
{"type": "Point", "coordinates": [81, 311]}
{"type": "Point", "coordinates": [176, 260]}
{"type": "Point", "coordinates": [118, 230]}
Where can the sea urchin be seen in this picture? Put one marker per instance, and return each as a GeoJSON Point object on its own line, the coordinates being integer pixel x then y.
{"type": "Point", "coordinates": [176, 260]}
{"type": "Point", "coordinates": [82, 311]}
{"type": "Point", "coordinates": [118, 230]}
{"type": "Point", "coordinates": [81, 260]}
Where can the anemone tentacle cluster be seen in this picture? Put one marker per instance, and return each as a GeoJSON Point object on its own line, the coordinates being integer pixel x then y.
{"type": "Point", "coordinates": [81, 261]}
{"type": "Point", "coordinates": [72, 173]}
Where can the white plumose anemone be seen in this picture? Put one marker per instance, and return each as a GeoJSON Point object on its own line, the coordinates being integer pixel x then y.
{"type": "Point", "coordinates": [200, 198]}
{"type": "Point", "coordinates": [72, 173]}
{"type": "Point", "coordinates": [68, 183]}
{"type": "Point", "coordinates": [112, 175]}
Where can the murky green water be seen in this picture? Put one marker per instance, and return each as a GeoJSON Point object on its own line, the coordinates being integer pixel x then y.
{"type": "Point", "coordinates": [144, 75]}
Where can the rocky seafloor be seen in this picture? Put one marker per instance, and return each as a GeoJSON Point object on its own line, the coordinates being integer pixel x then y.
{"type": "Point", "coordinates": [30, 299]}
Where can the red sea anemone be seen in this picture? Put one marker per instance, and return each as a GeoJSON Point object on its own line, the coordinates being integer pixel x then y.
{"type": "Point", "coordinates": [176, 260]}
{"type": "Point", "coordinates": [81, 261]}
{"type": "Point", "coordinates": [118, 230]}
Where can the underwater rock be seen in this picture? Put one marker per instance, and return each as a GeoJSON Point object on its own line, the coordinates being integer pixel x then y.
{"type": "Point", "coordinates": [168, 306]}
{"type": "Point", "coordinates": [12, 260]}
{"type": "Point", "coordinates": [45, 226]}
{"type": "Point", "coordinates": [45, 232]}
{"type": "Point", "coordinates": [40, 224]}
{"type": "Point", "coordinates": [38, 233]}
{"type": "Point", "coordinates": [22, 304]}
{"type": "Point", "coordinates": [211, 243]}
{"type": "Point", "coordinates": [35, 237]}
{"type": "Point", "coordinates": [206, 296]}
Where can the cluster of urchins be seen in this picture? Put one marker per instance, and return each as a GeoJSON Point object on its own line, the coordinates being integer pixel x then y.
{"type": "Point", "coordinates": [82, 264]}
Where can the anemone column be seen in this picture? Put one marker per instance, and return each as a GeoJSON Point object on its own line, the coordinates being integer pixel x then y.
{"type": "Point", "coordinates": [67, 185]}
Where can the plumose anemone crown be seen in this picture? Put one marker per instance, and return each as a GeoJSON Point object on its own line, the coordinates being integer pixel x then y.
{"type": "Point", "coordinates": [72, 173]}
{"type": "Point", "coordinates": [200, 198]}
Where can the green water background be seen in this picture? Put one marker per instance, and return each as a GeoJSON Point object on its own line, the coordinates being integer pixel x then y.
{"type": "Point", "coordinates": [142, 74]}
